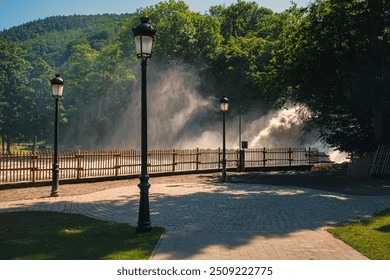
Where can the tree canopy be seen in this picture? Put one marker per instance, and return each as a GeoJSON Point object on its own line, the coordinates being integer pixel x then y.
{"type": "Point", "coordinates": [332, 57]}
{"type": "Point", "coordinates": [336, 62]}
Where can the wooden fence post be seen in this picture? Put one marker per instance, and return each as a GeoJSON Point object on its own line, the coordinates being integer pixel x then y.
{"type": "Point", "coordinates": [173, 160]}
{"type": "Point", "coordinates": [264, 153]}
{"type": "Point", "coordinates": [78, 164]}
{"type": "Point", "coordinates": [241, 160]}
{"type": "Point", "coordinates": [117, 155]}
{"type": "Point", "coordinates": [290, 159]}
{"type": "Point", "coordinates": [33, 168]}
{"type": "Point", "coordinates": [197, 158]}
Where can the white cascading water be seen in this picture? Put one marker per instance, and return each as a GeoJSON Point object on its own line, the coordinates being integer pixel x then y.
{"type": "Point", "coordinates": [180, 117]}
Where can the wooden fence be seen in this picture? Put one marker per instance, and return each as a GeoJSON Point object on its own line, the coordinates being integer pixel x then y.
{"type": "Point", "coordinates": [372, 164]}
{"type": "Point", "coordinates": [35, 167]}
{"type": "Point", "coordinates": [381, 162]}
{"type": "Point", "coordinates": [360, 166]}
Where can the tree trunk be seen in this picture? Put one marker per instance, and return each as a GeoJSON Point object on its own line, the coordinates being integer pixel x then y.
{"type": "Point", "coordinates": [377, 25]}
{"type": "Point", "coordinates": [34, 144]}
{"type": "Point", "coordinates": [2, 144]}
{"type": "Point", "coordinates": [8, 142]}
{"type": "Point", "coordinates": [381, 126]}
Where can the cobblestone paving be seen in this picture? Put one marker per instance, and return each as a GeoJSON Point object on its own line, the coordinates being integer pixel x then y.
{"type": "Point", "coordinates": [228, 221]}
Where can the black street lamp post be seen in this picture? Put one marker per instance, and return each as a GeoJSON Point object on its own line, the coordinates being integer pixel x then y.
{"type": "Point", "coordinates": [57, 86]}
{"type": "Point", "coordinates": [239, 140]}
{"type": "Point", "coordinates": [241, 144]}
{"type": "Point", "coordinates": [144, 35]}
{"type": "Point", "coordinates": [224, 103]}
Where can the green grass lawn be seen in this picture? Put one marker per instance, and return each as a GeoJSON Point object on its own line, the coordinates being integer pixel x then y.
{"type": "Point", "coordinates": [58, 236]}
{"type": "Point", "coordinates": [370, 236]}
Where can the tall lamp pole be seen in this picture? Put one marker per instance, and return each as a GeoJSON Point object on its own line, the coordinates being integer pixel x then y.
{"type": "Point", "coordinates": [241, 144]}
{"type": "Point", "coordinates": [239, 128]}
{"type": "Point", "coordinates": [57, 87]}
{"type": "Point", "coordinates": [224, 103]}
{"type": "Point", "coordinates": [144, 35]}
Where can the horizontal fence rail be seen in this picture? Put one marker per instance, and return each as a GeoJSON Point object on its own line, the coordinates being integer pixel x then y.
{"type": "Point", "coordinates": [35, 167]}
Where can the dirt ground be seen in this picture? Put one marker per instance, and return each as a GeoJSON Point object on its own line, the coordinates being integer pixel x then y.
{"type": "Point", "coordinates": [315, 180]}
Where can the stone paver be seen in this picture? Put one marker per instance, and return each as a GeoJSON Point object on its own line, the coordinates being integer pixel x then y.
{"type": "Point", "coordinates": [228, 221]}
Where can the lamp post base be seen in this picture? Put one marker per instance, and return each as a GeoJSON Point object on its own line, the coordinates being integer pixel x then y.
{"type": "Point", "coordinates": [54, 193]}
{"type": "Point", "coordinates": [144, 224]}
{"type": "Point", "coordinates": [223, 178]}
{"type": "Point", "coordinates": [144, 228]}
{"type": "Point", "coordinates": [55, 183]}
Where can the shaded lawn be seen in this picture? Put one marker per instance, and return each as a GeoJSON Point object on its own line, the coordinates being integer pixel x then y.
{"type": "Point", "coordinates": [370, 236]}
{"type": "Point", "coordinates": [59, 236]}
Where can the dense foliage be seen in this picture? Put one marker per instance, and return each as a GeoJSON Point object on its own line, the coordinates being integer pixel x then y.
{"type": "Point", "coordinates": [52, 38]}
{"type": "Point", "coordinates": [336, 61]}
{"type": "Point", "coordinates": [332, 56]}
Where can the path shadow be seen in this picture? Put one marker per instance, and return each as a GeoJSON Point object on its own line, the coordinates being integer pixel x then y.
{"type": "Point", "coordinates": [229, 215]}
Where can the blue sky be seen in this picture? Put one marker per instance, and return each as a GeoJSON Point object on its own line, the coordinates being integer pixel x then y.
{"type": "Point", "coordinates": [16, 12]}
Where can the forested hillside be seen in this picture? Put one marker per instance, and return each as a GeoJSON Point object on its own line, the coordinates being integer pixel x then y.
{"type": "Point", "coordinates": [331, 57]}
{"type": "Point", "coordinates": [52, 38]}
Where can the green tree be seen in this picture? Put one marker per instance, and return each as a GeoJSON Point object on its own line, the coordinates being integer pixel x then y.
{"type": "Point", "coordinates": [13, 90]}
{"type": "Point", "coordinates": [114, 78]}
{"type": "Point", "coordinates": [80, 91]}
{"type": "Point", "coordinates": [335, 61]}
{"type": "Point", "coordinates": [241, 69]}
{"type": "Point", "coordinates": [181, 34]}
{"type": "Point", "coordinates": [241, 19]}
{"type": "Point", "coordinates": [242, 66]}
{"type": "Point", "coordinates": [97, 86]}
{"type": "Point", "coordinates": [39, 110]}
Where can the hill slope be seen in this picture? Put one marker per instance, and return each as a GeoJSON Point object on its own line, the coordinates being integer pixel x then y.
{"type": "Point", "coordinates": [52, 38]}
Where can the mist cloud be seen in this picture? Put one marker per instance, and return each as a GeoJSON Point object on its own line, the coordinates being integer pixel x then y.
{"type": "Point", "coordinates": [181, 117]}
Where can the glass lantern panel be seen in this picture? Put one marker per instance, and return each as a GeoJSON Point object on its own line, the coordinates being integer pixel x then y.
{"type": "Point", "coordinates": [138, 44]}
{"type": "Point", "coordinates": [224, 107]}
{"type": "Point", "coordinates": [57, 90]}
{"type": "Point", "coordinates": [143, 45]}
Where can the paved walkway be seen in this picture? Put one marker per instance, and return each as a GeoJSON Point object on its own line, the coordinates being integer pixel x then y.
{"type": "Point", "coordinates": [228, 221]}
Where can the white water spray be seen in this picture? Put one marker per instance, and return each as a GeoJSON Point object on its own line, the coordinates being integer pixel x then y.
{"type": "Point", "coordinates": [180, 117]}
{"type": "Point", "coordinates": [281, 128]}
